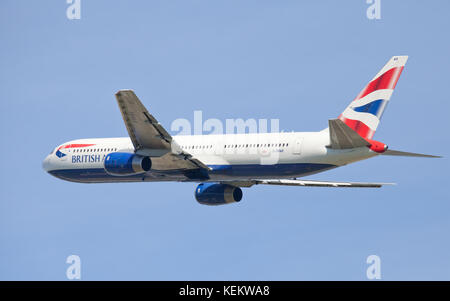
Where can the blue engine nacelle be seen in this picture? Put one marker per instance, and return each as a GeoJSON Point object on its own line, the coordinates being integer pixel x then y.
{"type": "Point", "coordinates": [217, 194]}
{"type": "Point", "coordinates": [125, 164]}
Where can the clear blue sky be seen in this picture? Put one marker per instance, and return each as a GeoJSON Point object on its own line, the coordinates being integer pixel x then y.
{"type": "Point", "coordinates": [299, 61]}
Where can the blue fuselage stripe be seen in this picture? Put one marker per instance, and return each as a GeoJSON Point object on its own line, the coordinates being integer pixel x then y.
{"type": "Point", "coordinates": [242, 170]}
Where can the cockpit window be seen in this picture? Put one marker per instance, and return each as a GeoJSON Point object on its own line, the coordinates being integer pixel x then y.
{"type": "Point", "coordinates": [52, 151]}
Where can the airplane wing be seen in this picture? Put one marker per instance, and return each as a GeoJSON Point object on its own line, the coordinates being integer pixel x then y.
{"type": "Point", "coordinates": [150, 138]}
{"type": "Point", "coordinates": [308, 183]}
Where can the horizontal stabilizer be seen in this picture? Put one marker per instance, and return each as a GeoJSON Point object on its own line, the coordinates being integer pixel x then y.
{"type": "Point", "coordinates": [406, 154]}
{"type": "Point", "coordinates": [343, 137]}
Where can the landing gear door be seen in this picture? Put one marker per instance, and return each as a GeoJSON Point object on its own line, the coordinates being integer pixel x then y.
{"type": "Point", "coordinates": [297, 146]}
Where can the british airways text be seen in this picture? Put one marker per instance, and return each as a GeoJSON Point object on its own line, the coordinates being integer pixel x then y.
{"type": "Point", "coordinates": [88, 158]}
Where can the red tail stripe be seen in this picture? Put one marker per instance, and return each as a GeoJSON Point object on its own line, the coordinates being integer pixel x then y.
{"type": "Point", "coordinates": [358, 126]}
{"type": "Point", "coordinates": [387, 80]}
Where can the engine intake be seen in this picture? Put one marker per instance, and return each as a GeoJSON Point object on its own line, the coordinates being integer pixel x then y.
{"type": "Point", "coordinates": [217, 194]}
{"type": "Point", "coordinates": [125, 164]}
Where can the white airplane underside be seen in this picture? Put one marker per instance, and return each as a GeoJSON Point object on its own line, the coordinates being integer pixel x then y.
{"type": "Point", "coordinates": [224, 163]}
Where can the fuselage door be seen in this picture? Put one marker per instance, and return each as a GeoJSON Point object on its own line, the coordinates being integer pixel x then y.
{"type": "Point", "coordinates": [297, 146]}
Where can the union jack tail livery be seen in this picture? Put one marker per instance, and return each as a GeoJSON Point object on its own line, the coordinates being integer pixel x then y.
{"type": "Point", "coordinates": [364, 112]}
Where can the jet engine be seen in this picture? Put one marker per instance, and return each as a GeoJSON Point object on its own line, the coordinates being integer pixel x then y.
{"type": "Point", "coordinates": [125, 164]}
{"type": "Point", "coordinates": [217, 194]}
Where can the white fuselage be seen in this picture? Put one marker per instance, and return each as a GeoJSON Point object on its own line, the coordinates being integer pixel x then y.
{"type": "Point", "coordinates": [231, 156]}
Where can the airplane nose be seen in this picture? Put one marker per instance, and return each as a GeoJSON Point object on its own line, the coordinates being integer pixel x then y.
{"type": "Point", "coordinates": [46, 164]}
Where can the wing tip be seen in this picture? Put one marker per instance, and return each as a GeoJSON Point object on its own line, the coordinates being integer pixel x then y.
{"type": "Point", "coordinates": [124, 91]}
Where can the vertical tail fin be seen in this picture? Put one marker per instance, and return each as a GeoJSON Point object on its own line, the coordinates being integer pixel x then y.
{"type": "Point", "coordinates": [364, 112]}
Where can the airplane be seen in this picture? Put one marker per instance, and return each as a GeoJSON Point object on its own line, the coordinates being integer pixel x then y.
{"type": "Point", "coordinates": [223, 164]}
